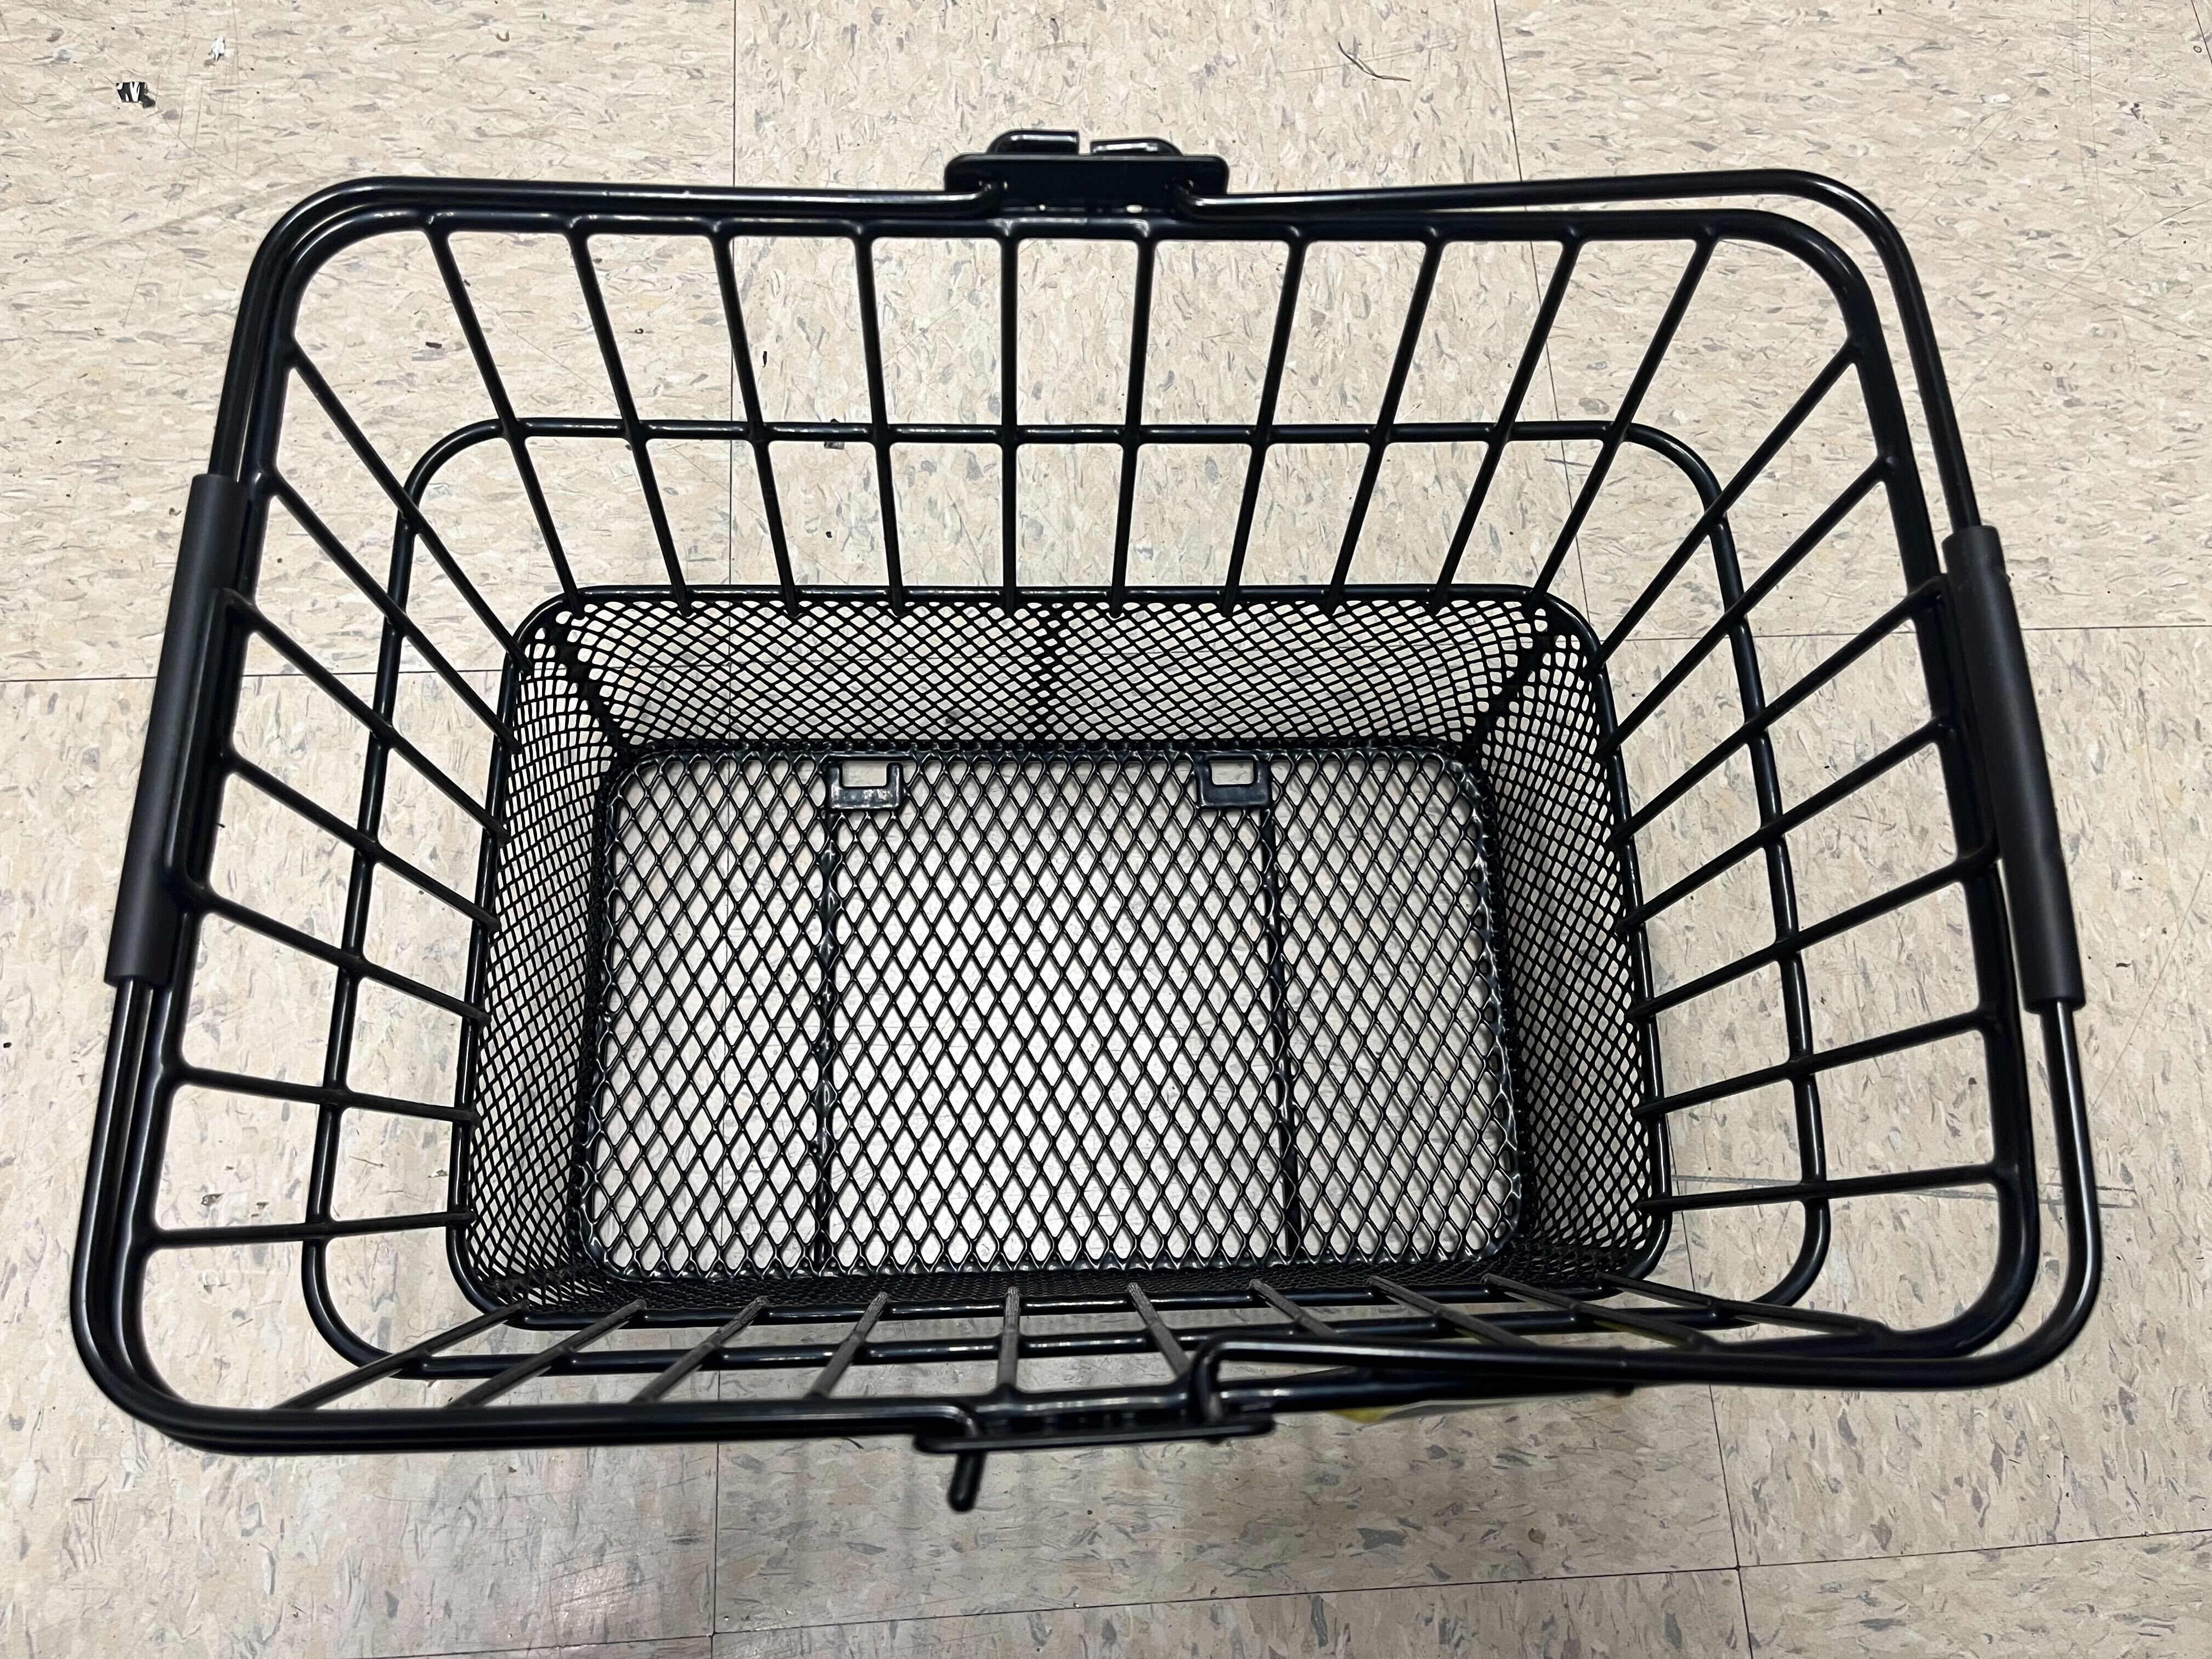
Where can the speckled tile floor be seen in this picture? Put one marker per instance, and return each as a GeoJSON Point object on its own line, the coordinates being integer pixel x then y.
{"type": "Point", "coordinates": [2047, 163]}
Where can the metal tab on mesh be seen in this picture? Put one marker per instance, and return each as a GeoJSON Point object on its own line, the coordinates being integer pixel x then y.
{"type": "Point", "coordinates": [865, 783]}
{"type": "Point", "coordinates": [1235, 778]}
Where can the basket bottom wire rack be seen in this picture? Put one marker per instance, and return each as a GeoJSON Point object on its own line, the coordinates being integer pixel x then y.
{"type": "Point", "coordinates": [1381, 1344]}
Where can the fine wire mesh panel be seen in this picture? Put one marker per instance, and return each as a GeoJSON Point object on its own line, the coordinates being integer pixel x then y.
{"type": "Point", "coordinates": [1068, 1006]}
{"type": "Point", "coordinates": [703, 1113]}
{"type": "Point", "coordinates": [1349, 769]}
{"type": "Point", "coordinates": [1062, 1050]}
{"type": "Point", "coordinates": [1160, 938]}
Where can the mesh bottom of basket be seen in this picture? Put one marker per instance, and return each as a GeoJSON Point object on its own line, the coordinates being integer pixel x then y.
{"type": "Point", "coordinates": [1005, 1010]}
{"type": "Point", "coordinates": [1030, 1009]}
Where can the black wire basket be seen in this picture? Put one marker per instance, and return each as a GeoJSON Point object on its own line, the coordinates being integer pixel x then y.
{"type": "Point", "coordinates": [856, 973]}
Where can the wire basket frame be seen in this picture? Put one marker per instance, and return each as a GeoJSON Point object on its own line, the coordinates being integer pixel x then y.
{"type": "Point", "coordinates": [1380, 965]}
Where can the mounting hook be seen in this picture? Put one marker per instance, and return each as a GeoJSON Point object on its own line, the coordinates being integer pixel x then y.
{"type": "Point", "coordinates": [1048, 168]}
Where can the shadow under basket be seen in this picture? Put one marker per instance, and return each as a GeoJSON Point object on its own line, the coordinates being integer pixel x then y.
{"type": "Point", "coordinates": [953, 949]}
{"type": "Point", "coordinates": [1060, 1011]}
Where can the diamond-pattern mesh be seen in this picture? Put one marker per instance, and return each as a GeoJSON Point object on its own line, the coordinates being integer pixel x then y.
{"type": "Point", "coordinates": [709, 1022]}
{"type": "Point", "coordinates": [1570, 976]}
{"type": "Point", "coordinates": [1393, 997]}
{"type": "Point", "coordinates": [1055, 1045]}
{"type": "Point", "coordinates": [1054, 1016]}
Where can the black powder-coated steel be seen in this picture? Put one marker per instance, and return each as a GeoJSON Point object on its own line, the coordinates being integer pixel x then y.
{"type": "Point", "coordinates": [957, 958]}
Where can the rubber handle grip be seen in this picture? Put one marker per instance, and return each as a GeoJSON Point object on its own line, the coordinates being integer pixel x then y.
{"type": "Point", "coordinates": [2012, 758]}
{"type": "Point", "coordinates": [143, 944]}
